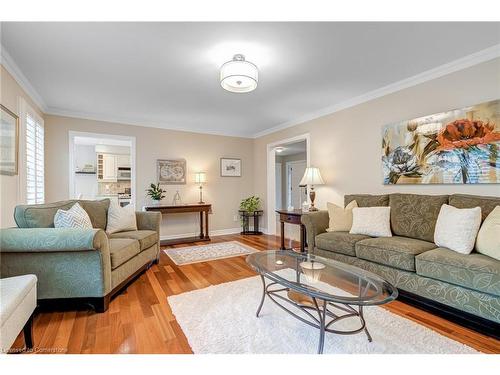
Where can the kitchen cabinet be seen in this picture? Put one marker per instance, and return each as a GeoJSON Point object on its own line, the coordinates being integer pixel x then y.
{"type": "Point", "coordinates": [123, 161]}
{"type": "Point", "coordinates": [107, 167]}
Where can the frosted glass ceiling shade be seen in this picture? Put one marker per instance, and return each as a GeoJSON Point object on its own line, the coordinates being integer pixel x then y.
{"type": "Point", "coordinates": [312, 177]}
{"type": "Point", "coordinates": [239, 75]}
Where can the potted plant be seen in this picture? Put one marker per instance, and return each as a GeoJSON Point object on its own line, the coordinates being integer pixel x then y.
{"type": "Point", "coordinates": [156, 193]}
{"type": "Point", "coordinates": [250, 207]}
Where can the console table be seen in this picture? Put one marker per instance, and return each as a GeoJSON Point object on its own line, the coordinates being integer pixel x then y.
{"type": "Point", "coordinates": [292, 217]}
{"type": "Point", "coordinates": [203, 209]}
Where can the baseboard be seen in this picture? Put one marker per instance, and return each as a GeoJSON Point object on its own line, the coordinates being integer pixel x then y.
{"type": "Point", "coordinates": [218, 232]}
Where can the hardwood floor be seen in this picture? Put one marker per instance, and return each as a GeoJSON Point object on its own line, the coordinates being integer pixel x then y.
{"type": "Point", "coordinates": [139, 320]}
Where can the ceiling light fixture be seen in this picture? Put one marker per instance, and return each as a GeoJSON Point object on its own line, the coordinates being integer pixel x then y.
{"type": "Point", "coordinates": [239, 75]}
{"type": "Point", "coordinates": [279, 149]}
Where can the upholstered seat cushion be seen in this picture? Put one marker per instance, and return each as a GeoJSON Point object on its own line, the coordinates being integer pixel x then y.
{"type": "Point", "coordinates": [397, 252]}
{"type": "Point", "coordinates": [339, 242]}
{"type": "Point", "coordinates": [122, 249]}
{"type": "Point", "coordinates": [146, 238]}
{"type": "Point", "coordinates": [474, 271]}
{"type": "Point", "coordinates": [17, 303]}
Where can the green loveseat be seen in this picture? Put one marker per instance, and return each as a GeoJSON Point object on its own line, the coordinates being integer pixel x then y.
{"type": "Point", "coordinates": [86, 266]}
{"type": "Point", "coordinates": [464, 288]}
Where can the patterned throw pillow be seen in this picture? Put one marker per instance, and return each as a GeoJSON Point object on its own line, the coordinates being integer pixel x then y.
{"type": "Point", "coordinates": [75, 217]}
{"type": "Point", "coordinates": [371, 221]}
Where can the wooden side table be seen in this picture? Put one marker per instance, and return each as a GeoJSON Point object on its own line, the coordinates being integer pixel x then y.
{"type": "Point", "coordinates": [292, 217]}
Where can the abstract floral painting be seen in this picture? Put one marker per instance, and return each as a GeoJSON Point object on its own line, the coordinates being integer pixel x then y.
{"type": "Point", "coordinates": [456, 147]}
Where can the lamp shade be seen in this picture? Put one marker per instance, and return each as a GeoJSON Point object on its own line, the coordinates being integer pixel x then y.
{"type": "Point", "coordinates": [200, 177]}
{"type": "Point", "coordinates": [239, 75]}
{"type": "Point", "coordinates": [311, 177]}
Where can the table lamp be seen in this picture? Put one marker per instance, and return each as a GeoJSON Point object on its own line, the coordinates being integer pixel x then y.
{"type": "Point", "coordinates": [312, 177]}
{"type": "Point", "coordinates": [200, 178]}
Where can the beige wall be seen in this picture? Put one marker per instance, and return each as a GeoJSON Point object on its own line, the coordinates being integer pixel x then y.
{"type": "Point", "coordinates": [10, 94]}
{"type": "Point", "coordinates": [202, 152]}
{"type": "Point", "coordinates": [346, 145]}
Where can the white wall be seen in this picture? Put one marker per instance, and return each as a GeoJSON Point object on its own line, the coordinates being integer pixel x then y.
{"type": "Point", "coordinates": [346, 145]}
{"type": "Point", "coordinates": [85, 184]}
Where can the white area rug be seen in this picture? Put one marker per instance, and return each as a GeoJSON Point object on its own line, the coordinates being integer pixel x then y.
{"type": "Point", "coordinates": [204, 253]}
{"type": "Point", "coordinates": [221, 319]}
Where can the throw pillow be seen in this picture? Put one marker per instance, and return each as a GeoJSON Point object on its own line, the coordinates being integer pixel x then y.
{"type": "Point", "coordinates": [456, 228]}
{"type": "Point", "coordinates": [488, 238]}
{"type": "Point", "coordinates": [371, 221]}
{"type": "Point", "coordinates": [75, 217]}
{"type": "Point", "coordinates": [340, 218]}
{"type": "Point", "coordinates": [121, 219]}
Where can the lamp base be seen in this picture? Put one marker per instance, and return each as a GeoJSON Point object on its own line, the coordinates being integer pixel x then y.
{"type": "Point", "coordinates": [312, 196]}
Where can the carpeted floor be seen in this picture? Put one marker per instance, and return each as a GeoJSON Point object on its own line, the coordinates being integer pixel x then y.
{"type": "Point", "coordinates": [221, 319]}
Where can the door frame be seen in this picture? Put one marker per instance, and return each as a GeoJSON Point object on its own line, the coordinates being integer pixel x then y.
{"type": "Point", "coordinates": [71, 145]}
{"type": "Point", "coordinates": [289, 164]}
{"type": "Point", "coordinates": [271, 175]}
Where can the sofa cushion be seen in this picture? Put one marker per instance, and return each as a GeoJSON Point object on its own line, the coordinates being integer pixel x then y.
{"type": "Point", "coordinates": [487, 204]}
{"type": "Point", "coordinates": [339, 242]}
{"type": "Point", "coordinates": [42, 215]}
{"type": "Point", "coordinates": [474, 271]}
{"type": "Point", "coordinates": [397, 252]}
{"type": "Point", "coordinates": [367, 200]}
{"type": "Point", "coordinates": [414, 215]}
{"type": "Point", "coordinates": [146, 238]}
{"type": "Point", "coordinates": [122, 249]}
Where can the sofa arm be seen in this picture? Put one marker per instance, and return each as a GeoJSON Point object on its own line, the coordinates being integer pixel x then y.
{"type": "Point", "coordinates": [316, 223]}
{"type": "Point", "coordinates": [51, 239]}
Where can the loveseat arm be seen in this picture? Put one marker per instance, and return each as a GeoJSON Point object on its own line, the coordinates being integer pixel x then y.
{"type": "Point", "coordinates": [22, 240]}
{"type": "Point", "coordinates": [316, 223]}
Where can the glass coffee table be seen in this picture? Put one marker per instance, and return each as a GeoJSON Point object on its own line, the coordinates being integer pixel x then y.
{"type": "Point", "coordinates": [319, 291]}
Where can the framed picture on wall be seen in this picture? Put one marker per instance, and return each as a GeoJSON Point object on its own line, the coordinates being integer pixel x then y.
{"type": "Point", "coordinates": [9, 142]}
{"type": "Point", "coordinates": [230, 167]}
{"type": "Point", "coordinates": [171, 172]}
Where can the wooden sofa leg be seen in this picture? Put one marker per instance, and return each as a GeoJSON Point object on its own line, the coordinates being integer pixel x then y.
{"type": "Point", "coordinates": [28, 333]}
{"type": "Point", "coordinates": [101, 304]}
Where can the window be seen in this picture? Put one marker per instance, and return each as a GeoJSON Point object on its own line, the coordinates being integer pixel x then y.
{"type": "Point", "coordinates": [35, 186]}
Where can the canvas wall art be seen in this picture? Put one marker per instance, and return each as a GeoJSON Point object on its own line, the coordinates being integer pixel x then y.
{"type": "Point", "coordinates": [456, 147]}
{"type": "Point", "coordinates": [171, 172]}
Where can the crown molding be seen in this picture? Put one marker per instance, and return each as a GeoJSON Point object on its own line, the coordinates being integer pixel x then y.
{"type": "Point", "coordinates": [136, 122]}
{"type": "Point", "coordinates": [440, 71]}
{"type": "Point", "coordinates": [14, 70]}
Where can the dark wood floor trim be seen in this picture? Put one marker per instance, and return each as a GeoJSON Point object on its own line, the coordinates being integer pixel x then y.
{"type": "Point", "coordinates": [474, 322]}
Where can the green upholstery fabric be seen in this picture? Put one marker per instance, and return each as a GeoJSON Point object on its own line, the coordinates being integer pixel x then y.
{"type": "Point", "coordinates": [121, 250]}
{"type": "Point", "coordinates": [42, 215]}
{"type": "Point", "coordinates": [50, 239]}
{"type": "Point", "coordinates": [394, 251]}
{"type": "Point", "coordinates": [414, 215]}
{"type": "Point", "coordinates": [339, 242]}
{"type": "Point", "coordinates": [475, 302]}
{"type": "Point", "coordinates": [121, 273]}
{"type": "Point", "coordinates": [487, 204]}
{"type": "Point", "coordinates": [367, 200]}
{"type": "Point", "coordinates": [150, 221]}
{"type": "Point", "coordinates": [474, 271]}
{"type": "Point", "coordinates": [146, 238]}
{"type": "Point", "coordinates": [316, 223]}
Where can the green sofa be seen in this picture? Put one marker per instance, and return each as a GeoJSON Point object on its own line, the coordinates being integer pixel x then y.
{"type": "Point", "coordinates": [86, 266]}
{"type": "Point", "coordinates": [464, 288]}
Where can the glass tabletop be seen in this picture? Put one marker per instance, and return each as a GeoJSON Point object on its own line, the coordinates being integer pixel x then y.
{"type": "Point", "coordinates": [322, 278]}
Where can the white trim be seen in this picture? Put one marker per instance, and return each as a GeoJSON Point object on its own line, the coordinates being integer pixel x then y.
{"type": "Point", "coordinates": [11, 66]}
{"type": "Point", "coordinates": [71, 136]}
{"type": "Point", "coordinates": [271, 176]}
{"type": "Point", "coordinates": [218, 232]}
{"type": "Point", "coordinates": [439, 71]}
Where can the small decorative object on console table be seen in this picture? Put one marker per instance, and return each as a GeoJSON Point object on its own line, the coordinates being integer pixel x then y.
{"type": "Point", "coordinates": [200, 178]}
{"type": "Point", "coordinates": [203, 209]}
{"type": "Point", "coordinates": [312, 177]}
{"type": "Point", "coordinates": [292, 217]}
{"type": "Point", "coordinates": [156, 193]}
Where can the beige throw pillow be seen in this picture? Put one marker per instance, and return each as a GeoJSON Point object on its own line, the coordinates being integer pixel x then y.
{"type": "Point", "coordinates": [456, 228]}
{"type": "Point", "coordinates": [488, 238]}
{"type": "Point", "coordinates": [121, 219]}
{"type": "Point", "coordinates": [371, 221]}
{"type": "Point", "coordinates": [340, 218]}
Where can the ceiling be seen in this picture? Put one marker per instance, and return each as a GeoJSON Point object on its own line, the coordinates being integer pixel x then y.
{"type": "Point", "coordinates": [166, 74]}
{"type": "Point", "coordinates": [92, 141]}
{"type": "Point", "coordinates": [292, 148]}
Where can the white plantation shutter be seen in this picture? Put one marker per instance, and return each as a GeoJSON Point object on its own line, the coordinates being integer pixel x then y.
{"type": "Point", "coordinates": [35, 187]}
